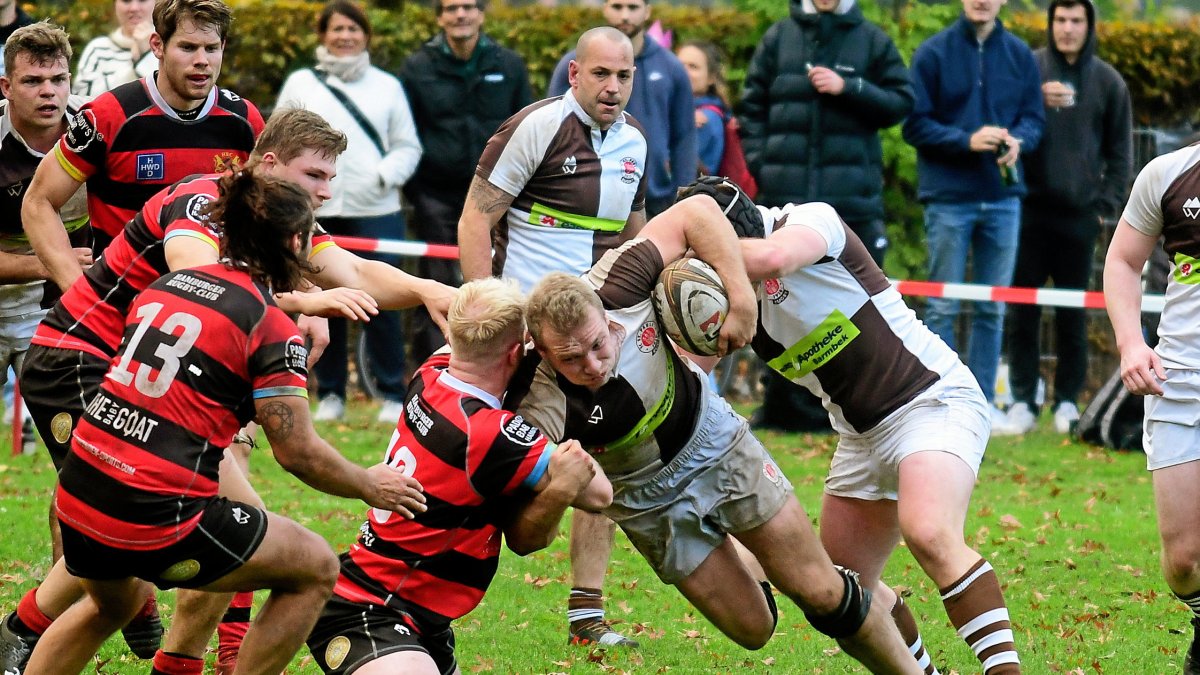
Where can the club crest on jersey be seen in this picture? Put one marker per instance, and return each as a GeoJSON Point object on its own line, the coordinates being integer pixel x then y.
{"type": "Point", "coordinates": [295, 356]}
{"type": "Point", "coordinates": [151, 166]}
{"type": "Point", "coordinates": [520, 432]}
{"type": "Point", "coordinates": [629, 169]}
{"type": "Point", "coordinates": [60, 427]}
{"type": "Point", "coordinates": [195, 208]}
{"type": "Point", "coordinates": [569, 166]}
{"type": "Point", "coordinates": [337, 651]}
{"type": "Point", "coordinates": [1191, 208]}
{"type": "Point", "coordinates": [226, 160]}
{"type": "Point", "coordinates": [81, 131]}
{"type": "Point", "coordinates": [775, 291]}
{"type": "Point", "coordinates": [647, 338]}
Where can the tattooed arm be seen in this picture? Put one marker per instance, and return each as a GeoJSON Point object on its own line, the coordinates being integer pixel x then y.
{"type": "Point", "coordinates": [299, 450]}
{"type": "Point", "coordinates": [485, 206]}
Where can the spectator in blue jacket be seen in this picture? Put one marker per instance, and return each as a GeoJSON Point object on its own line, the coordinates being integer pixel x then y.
{"type": "Point", "coordinates": [661, 101]}
{"type": "Point", "coordinates": [978, 108]}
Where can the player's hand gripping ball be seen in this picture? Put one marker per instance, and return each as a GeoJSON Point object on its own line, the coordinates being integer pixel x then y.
{"type": "Point", "coordinates": [691, 305]}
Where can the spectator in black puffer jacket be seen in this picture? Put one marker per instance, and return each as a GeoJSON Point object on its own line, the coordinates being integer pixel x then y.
{"type": "Point", "coordinates": [461, 86]}
{"type": "Point", "coordinates": [822, 84]}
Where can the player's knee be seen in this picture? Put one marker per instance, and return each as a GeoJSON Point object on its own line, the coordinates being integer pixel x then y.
{"type": "Point", "coordinates": [1181, 565]}
{"type": "Point", "coordinates": [931, 541]}
{"type": "Point", "coordinates": [850, 613]}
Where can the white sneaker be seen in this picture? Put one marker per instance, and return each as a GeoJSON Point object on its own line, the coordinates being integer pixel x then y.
{"type": "Point", "coordinates": [331, 409]}
{"type": "Point", "coordinates": [1065, 417]}
{"type": "Point", "coordinates": [1000, 425]}
{"type": "Point", "coordinates": [1021, 418]}
{"type": "Point", "coordinates": [390, 412]}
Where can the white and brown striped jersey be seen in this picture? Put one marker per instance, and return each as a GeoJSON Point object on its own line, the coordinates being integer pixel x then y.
{"type": "Point", "coordinates": [574, 188]}
{"type": "Point", "coordinates": [647, 410]}
{"type": "Point", "coordinates": [1166, 201]}
{"type": "Point", "coordinates": [841, 330]}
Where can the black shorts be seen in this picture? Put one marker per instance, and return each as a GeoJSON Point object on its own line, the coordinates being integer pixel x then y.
{"type": "Point", "coordinates": [57, 384]}
{"type": "Point", "coordinates": [227, 535]}
{"type": "Point", "coordinates": [348, 635]}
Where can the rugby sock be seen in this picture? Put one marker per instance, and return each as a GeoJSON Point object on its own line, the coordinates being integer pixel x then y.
{"type": "Point", "coordinates": [976, 607]}
{"type": "Point", "coordinates": [1192, 601]}
{"type": "Point", "coordinates": [170, 663]}
{"type": "Point", "coordinates": [30, 620]}
{"type": "Point", "coordinates": [584, 606]}
{"type": "Point", "coordinates": [907, 623]}
{"type": "Point", "coordinates": [232, 629]}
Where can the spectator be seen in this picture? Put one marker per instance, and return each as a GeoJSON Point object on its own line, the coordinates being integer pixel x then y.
{"type": "Point", "coordinates": [551, 202]}
{"type": "Point", "coordinates": [12, 17]}
{"type": "Point", "coordinates": [489, 476]}
{"type": "Point", "coordinates": [821, 85]}
{"type": "Point", "coordinates": [978, 107]}
{"type": "Point", "coordinates": [706, 71]}
{"type": "Point", "coordinates": [661, 101]}
{"type": "Point", "coordinates": [122, 56]}
{"type": "Point", "coordinates": [462, 86]}
{"type": "Point", "coordinates": [383, 150]}
{"type": "Point", "coordinates": [1077, 176]}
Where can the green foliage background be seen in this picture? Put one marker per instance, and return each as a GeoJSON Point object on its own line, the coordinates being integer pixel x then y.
{"type": "Point", "coordinates": [1160, 60]}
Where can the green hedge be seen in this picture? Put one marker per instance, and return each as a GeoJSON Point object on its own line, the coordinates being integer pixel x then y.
{"type": "Point", "coordinates": [271, 38]}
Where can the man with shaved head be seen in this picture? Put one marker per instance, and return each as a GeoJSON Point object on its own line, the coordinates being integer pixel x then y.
{"type": "Point", "coordinates": [559, 185]}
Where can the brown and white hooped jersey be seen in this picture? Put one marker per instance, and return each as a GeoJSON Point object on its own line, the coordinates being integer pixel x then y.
{"type": "Point", "coordinates": [1166, 201]}
{"type": "Point", "coordinates": [841, 330]}
{"type": "Point", "coordinates": [647, 410]}
{"type": "Point", "coordinates": [574, 188]}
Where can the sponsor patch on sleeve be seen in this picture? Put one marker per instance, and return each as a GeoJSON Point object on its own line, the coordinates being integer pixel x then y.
{"type": "Point", "coordinates": [82, 131]}
{"type": "Point", "coordinates": [517, 430]}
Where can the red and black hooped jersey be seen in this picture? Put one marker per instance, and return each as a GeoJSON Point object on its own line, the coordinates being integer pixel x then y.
{"type": "Point", "coordinates": [469, 455]}
{"type": "Point", "coordinates": [128, 144]}
{"type": "Point", "coordinates": [200, 346]}
{"type": "Point", "coordinates": [90, 316]}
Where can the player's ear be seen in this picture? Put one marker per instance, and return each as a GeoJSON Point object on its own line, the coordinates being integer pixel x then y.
{"type": "Point", "coordinates": [157, 45]}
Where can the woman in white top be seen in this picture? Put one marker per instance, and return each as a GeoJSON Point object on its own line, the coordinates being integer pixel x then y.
{"type": "Point", "coordinates": [383, 149]}
{"type": "Point", "coordinates": [121, 56]}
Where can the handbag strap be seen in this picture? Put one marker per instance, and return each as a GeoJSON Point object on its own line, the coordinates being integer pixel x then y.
{"type": "Point", "coordinates": [341, 96]}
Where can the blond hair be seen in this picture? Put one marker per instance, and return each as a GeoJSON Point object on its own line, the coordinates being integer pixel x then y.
{"type": "Point", "coordinates": [486, 318]}
{"type": "Point", "coordinates": [44, 42]}
{"type": "Point", "coordinates": [560, 302]}
{"type": "Point", "coordinates": [292, 131]}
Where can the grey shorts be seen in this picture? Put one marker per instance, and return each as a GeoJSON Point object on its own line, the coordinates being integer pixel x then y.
{"type": "Point", "coordinates": [724, 481]}
{"type": "Point", "coordinates": [15, 334]}
{"type": "Point", "coordinates": [1171, 435]}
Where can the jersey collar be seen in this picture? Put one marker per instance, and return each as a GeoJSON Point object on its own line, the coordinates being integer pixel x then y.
{"type": "Point", "coordinates": [574, 107]}
{"type": "Point", "coordinates": [156, 96]}
{"type": "Point", "coordinates": [458, 385]}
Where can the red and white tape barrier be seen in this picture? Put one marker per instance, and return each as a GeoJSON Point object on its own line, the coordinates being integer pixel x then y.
{"type": "Point", "coordinates": [1046, 297]}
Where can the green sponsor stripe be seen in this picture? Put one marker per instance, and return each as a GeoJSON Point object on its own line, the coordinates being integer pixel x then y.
{"type": "Point", "coordinates": [573, 221]}
{"type": "Point", "coordinates": [653, 418]}
{"type": "Point", "coordinates": [817, 348]}
{"type": "Point", "coordinates": [1187, 269]}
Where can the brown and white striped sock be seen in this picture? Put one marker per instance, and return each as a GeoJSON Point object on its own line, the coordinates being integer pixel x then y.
{"type": "Point", "coordinates": [585, 606]}
{"type": "Point", "coordinates": [976, 607]}
{"type": "Point", "coordinates": [907, 623]}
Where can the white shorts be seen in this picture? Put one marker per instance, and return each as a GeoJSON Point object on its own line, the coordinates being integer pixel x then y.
{"type": "Point", "coordinates": [952, 416]}
{"type": "Point", "coordinates": [15, 334]}
{"type": "Point", "coordinates": [1172, 429]}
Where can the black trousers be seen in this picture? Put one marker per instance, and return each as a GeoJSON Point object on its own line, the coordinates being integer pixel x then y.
{"type": "Point", "coordinates": [1058, 247]}
{"type": "Point", "coordinates": [435, 220]}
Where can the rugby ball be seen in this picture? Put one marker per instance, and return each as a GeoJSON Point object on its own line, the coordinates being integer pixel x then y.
{"type": "Point", "coordinates": [691, 305]}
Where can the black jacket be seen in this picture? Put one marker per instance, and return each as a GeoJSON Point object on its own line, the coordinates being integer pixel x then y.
{"type": "Point", "coordinates": [1084, 161]}
{"type": "Point", "coordinates": [458, 105]}
{"type": "Point", "coordinates": [803, 146]}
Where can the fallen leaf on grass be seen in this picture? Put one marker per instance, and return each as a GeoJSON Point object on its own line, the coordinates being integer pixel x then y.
{"type": "Point", "coordinates": [536, 582]}
{"type": "Point", "coordinates": [1010, 522]}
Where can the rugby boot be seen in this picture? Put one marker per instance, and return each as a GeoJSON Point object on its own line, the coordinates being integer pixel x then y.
{"type": "Point", "coordinates": [598, 632]}
{"type": "Point", "coordinates": [15, 647]}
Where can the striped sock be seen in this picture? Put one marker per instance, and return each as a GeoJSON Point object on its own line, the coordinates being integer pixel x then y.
{"type": "Point", "coordinates": [585, 605]}
{"type": "Point", "coordinates": [907, 623]}
{"type": "Point", "coordinates": [976, 607]}
{"type": "Point", "coordinates": [1192, 601]}
{"type": "Point", "coordinates": [232, 629]}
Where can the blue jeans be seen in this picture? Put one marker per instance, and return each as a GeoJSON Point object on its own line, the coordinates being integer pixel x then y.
{"type": "Point", "coordinates": [989, 231]}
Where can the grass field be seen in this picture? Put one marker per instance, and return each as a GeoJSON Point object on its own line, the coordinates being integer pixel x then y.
{"type": "Point", "coordinates": [1070, 530]}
